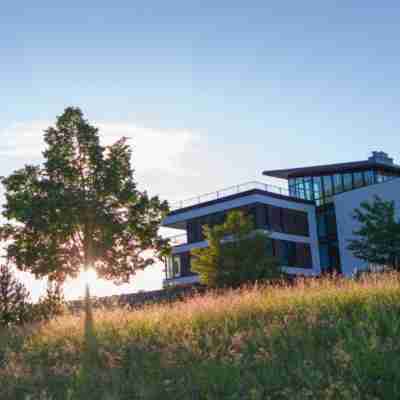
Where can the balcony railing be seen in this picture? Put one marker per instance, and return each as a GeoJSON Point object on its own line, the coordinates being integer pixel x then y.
{"type": "Point", "coordinates": [244, 187]}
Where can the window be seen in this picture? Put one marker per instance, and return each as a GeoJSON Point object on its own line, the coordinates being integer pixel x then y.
{"type": "Point", "coordinates": [334, 256]}
{"type": "Point", "coordinates": [293, 222]}
{"type": "Point", "coordinates": [176, 265]}
{"type": "Point", "coordinates": [331, 222]}
{"type": "Point", "coordinates": [291, 251]}
{"type": "Point", "coordinates": [301, 188]}
{"type": "Point", "coordinates": [266, 217]}
{"type": "Point", "coordinates": [286, 220]}
{"type": "Point", "coordinates": [275, 218]}
{"type": "Point", "coordinates": [301, 223]}
{"type": "Point", "coordinates": [303, 256]}
{"type": "Point", "coordinates": [270, 247]}
{"type": "Point", "coordinates": [292, 254]}
{"type": "Point", "coordinates": [324, 256]}
{"type": "Point", "coordinates": [347, 181]}
{"type": "Point", "coordinates": [317, 184]}
{"type": "Point", "coordinates": [328, 186]}
{"type": "Point", "coordinates": [358, 179]}
{"type": "Point", "coordinates": [284, 253]}
{"type": "Point", "coordinates": [308, 188]}
{"type": "Point", "coordinates": [322, 231]}
{"type": "Point", "coordinates": [173, 266]}
{"type": "Point", "coordinates": [292, 187]}
{"type": "Point", "coordinates": [337, 183]}
{"type": "Point", "coordinates": [194, 231]}
{"type": "Point", "coordinates": [369, 177]}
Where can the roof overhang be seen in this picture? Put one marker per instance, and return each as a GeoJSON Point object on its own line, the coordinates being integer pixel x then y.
{"type": "Point", "coordinates": [330, 169]}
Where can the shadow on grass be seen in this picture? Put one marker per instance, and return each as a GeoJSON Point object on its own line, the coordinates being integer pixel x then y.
{"type": "Point", "coordinates": [87, 382]}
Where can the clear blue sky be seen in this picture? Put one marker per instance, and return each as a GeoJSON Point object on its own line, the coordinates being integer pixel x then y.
{"type": "Point", "coordinates": [253, 85]}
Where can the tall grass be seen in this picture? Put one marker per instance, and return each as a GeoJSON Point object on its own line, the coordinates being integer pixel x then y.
{"type": "Point", "coordinates": [318, 339]}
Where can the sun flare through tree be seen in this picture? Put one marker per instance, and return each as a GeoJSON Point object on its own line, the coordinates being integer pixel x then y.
{"type": "Point", "coordinates": [81, 209]}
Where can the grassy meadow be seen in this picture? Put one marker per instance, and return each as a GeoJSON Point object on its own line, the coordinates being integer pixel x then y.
{"type": "Point", "coordinates": [320, 339]}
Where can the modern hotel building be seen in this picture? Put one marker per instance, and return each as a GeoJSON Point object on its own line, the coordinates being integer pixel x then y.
{"type": "Point", "coordinates": [309, 222]}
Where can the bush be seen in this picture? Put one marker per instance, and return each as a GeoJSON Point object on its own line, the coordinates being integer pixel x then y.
{"type": "Point", "coordinates": [236, 254]}
{"type": "Point", "coordinates": [14, 305]}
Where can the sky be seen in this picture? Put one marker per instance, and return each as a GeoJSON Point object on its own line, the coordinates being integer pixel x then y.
{"type": "Point", "coordinates": [210, 92]}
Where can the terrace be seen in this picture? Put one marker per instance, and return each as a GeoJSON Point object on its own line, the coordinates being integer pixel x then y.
{"type": "Point", "coordinates": [234, 190]}
{"type": "Point", "coordinates": [226, 193]}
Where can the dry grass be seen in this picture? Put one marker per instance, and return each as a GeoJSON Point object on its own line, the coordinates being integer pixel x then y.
{"type": "Point", "coordinates": [322, 339]}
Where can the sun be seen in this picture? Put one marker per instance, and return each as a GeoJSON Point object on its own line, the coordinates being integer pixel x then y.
{"type": "Point", "coordinates": [88, 277]}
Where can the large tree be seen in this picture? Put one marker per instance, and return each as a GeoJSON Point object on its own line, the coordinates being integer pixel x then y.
{"type": "Point", "coordinates": [81, 208]}
{"type": "Point", "coordinates": [236, 254]}
{"type": "Point", "coordinates": [377, 238]}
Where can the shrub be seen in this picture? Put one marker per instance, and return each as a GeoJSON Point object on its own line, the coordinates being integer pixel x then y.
{"type": "Point", "coordinates": [14, 305]}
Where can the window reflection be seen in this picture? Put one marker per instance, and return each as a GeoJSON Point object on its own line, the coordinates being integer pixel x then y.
{"type": "Point", "coordinates": [308, 188]}
{"type": "Point", "coordinates": [337, 183]}
{"type": "Point", "coordinates": [317, 187]}
{"type": "Point", "coordinates": [369, 177]}
{"type": "Point", "coordinates": [328, 187]}
{"type": "Point", "coordinates": [322, 188]}
{"type": "Point", "coordinates": [347, 181]}
{"type": "Point", "coordinates": [358, 179]}
{"type": "Point", "coordinates": [300, 187]}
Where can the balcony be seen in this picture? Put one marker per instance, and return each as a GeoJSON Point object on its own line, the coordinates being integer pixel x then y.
{"type": "Point", "coordinates": [232, 190]}
{"type": "Point", "coordinates": [177, 240]}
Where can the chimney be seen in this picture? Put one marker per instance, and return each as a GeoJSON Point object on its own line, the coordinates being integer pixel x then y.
{"type": "Point", "coordinates": [381, 157]}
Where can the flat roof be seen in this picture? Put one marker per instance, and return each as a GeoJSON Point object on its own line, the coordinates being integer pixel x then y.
{"type": "Point", "coordinates": [238, 195]}
{"type": "Point", "coordinates": [331, 168]}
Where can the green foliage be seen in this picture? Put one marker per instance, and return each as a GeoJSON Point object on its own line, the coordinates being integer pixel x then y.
{"type": "Point", "coordinates": [318, 339]}
{"type": "Point", "coordinates": [14, 299]}
{"type": "Point", "coordinates": [80, 208]}
{"type": "Point", "coordinates": [51, 305]}
{"type": "Point", "coordinates": [378, 237]}
{"type": "Point", "coordinates": [236, 254]}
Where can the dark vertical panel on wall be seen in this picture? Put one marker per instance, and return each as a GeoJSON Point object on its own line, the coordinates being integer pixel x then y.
{"type": "Point", "coordinates": [302, 224]}
{"type": "Point", "coordinates": [292, 257]}
{"type": "Point", "coordinates": [185, 263]}
{"type": "Point", "coordinates": [260, 216]}
{"type": "Point", "coordinates": [275, 218]}
{"type": "Point", "coordinates": [190, 231]}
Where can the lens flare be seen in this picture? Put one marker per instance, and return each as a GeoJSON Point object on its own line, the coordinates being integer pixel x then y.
{"type": "Point", "coordinates": [88, 276]}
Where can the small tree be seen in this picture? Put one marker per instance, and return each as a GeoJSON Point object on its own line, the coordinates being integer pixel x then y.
{"type": "Point", "coordinates": [236, 254]}
{"type": "Point", "coordinates": [50, 305]}
{"type": "Point", "coordinates": [378, 237]}
{"type": "Point", "coordinates": [81, 208]}
{"type": "Point", "coordinates": [14, 305]}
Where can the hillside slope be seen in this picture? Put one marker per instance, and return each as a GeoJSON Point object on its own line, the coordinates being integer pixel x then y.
{"type": "Point", "coordinates": [326, 339]}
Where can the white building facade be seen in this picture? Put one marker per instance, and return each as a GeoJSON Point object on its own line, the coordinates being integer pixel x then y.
{"type": "Point", "coordinates": [310, 223]}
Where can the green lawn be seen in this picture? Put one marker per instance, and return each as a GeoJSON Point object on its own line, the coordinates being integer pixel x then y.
{"type": "Point", "coordinates": [326, 339]}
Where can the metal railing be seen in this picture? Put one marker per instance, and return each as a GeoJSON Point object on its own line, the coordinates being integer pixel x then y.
{"type": "Point", "coordinates": [244, 187]}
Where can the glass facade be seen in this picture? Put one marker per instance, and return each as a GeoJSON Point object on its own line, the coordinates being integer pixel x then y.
{"type": "Point", "coordinates": [292, 254]}
{"type": "Point", "coordinates": [322, 188]}
{"type": "Point", "coordinates": [277, 219]}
